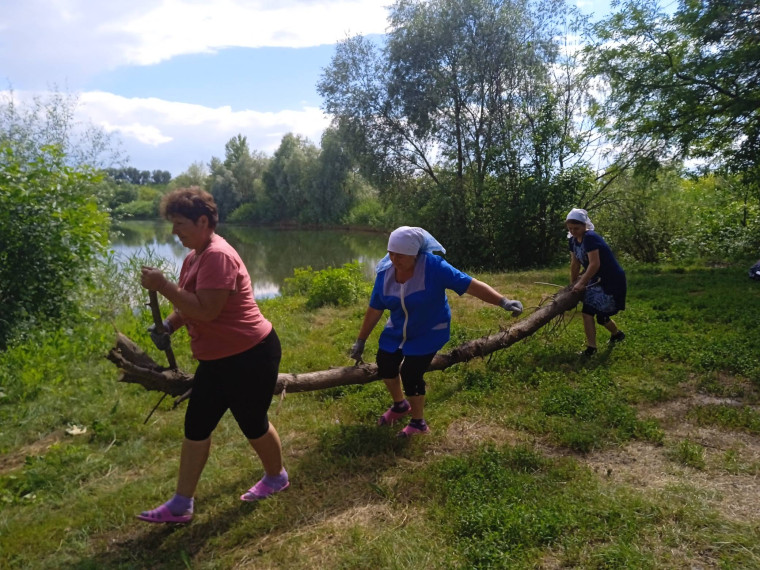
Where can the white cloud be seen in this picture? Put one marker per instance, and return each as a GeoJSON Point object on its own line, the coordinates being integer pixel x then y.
{"type": "Point", "coordinates": [145, 134]}
{"type": "Point", "coordinates": [170, 135]}
{"type": "Point", "coordinates": [177, 27]}
{"type": "Point", "coordinates": [86, 37]}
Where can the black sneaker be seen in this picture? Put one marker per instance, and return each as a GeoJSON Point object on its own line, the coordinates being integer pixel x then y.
{"type": "Point", "coordinates": [590, 351]}
{"type": "Point", "coordinates": [617, 337]}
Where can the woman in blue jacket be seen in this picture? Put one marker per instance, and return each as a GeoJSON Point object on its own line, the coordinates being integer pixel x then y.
{"type": "Point", "coordinates": [603, 281]}
{"type": "Point", "coordinates": [411, 284]}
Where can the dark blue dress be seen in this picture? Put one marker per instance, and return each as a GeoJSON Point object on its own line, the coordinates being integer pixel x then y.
{"type": "Point", "coordinates": [606, 290]}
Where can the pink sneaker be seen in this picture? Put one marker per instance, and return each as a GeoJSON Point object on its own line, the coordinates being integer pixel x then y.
{"type": "Point", "coordinates": [390, 417]}
{"type": "Point", "coordinates": [411, 430]}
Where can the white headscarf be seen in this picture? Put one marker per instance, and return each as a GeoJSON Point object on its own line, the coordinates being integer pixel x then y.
{"type": "Point", "coordinates": [409, 240]}
{"type": "Point", "coordinates": [579, 215]}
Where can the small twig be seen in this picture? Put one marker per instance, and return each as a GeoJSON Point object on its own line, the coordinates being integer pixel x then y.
{"type": "Point", "coordinates": [154, 408]}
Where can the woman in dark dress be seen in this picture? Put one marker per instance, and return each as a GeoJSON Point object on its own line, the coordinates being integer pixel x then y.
{"type": "Point", "coordinates": [602, 280]}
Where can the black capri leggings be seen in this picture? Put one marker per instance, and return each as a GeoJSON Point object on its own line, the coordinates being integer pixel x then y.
{"type": "Point", "coordinates": [243, 383]}
{"type": "Point", "coordinates": [412, 368]}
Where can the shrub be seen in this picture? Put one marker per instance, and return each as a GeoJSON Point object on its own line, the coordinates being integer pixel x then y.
{"type": "Point", "coordinates": [332, 286]}
{"type": "Point", "coordinates": [50, 231]}
{"type": "Point", "coordinates": [369, 213]}
{"type": "Point", "coordinates": [300, 283]}
{"type": "Point", "coordinates": [139, 209]}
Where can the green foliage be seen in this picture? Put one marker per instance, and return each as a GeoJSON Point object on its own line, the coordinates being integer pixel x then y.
{"type": "Point", "coordinates": [300, 283]}
{"type": "Point", "coordinates": [134, 176]}
{"type": "Point", "coordinates": [139, 210]}
{"type": "Point", "coordinates": [504, 507]}
{"type": "Point", "coordinates": [236, 180]}
{"type": "Point", "coordinates": [332, 286]}
{"type": "Point", "coordinates": [49, 122]}
{"type": "Point", "coordinates": [248, 212]}
{"type": "Point", "coordinates": [689, 453]}
{"type": "Point", "coordinates": [195, 175]}
{"type": "Point", "coordinates": [51, 231]}
{"type": "Point", "coordinates": [468, 130]}
{"type": "Point", "coordinates": [113, 194]}
{"type": "Point", "coordinates": [742, 418]}
{"type": "Point", "coordinates": [646, 214]}
{"type": "Point", "coordinates": [691, 88]}
{"type": "Point", "coordinates": [369, 212]}
{"type": "Point", "coordinates": [590, 412]}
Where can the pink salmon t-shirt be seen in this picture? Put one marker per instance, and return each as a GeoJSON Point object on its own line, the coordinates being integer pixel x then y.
{"type": "Point", "coordinates": [240, 325]}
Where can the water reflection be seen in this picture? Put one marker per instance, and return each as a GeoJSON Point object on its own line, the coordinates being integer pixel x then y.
{"type": "Point", "coordinates": [270, 254]}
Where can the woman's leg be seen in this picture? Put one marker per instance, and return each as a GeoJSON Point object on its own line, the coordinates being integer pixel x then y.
{"type": "Point", "coordinates": [269, 450]}
{"type": "Point", "coordinates": [418, 406]}
{"type": "Point", "coordinates": [589, 327]}
{"type": "Point", "coordinates": [412, 377]}
{"type": "Point", "coordinates": [275, 479]}
{"type": "Point", "coordinates": [612, 327]}
{"type": "Point", "coordinates": [191, 463]}
{"type": "Point", "coordinates": [394, 388]}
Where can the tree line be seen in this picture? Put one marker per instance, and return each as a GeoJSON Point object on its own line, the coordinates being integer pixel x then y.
{"type": "Point", "coordinates": [484, 121]}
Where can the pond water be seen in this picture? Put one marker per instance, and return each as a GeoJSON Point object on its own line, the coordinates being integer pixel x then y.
{"type": "Point", "coordinates": [269, 254]}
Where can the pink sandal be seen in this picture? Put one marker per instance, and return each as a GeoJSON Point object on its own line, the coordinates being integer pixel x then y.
{"type": "Point", "coordinates": [261, 491]}
{"type": "Point", "coordinates": [162, 514]}
{"type": "Point", "coordinates": [390, 417]}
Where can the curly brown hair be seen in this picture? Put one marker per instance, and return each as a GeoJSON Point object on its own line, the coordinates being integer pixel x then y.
{"type": "Point", "coordinates": [191, 203]}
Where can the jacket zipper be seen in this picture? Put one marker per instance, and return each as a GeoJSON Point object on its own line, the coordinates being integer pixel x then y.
{"type": "Point", "coordinates": [406, 315]}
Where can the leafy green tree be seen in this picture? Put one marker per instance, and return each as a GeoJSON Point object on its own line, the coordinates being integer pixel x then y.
{"type": "Point", "coordinates": [224, 188]}
{"type": "Point", "coordinates": [113, 194]}
{"type": "Point", "coordinates": [134, 175]}
{"type": "Point", "coordinates": [237, 179]}
{"type": "Point", "coordinates": [50, 121]}
{"type": "Point", "coordinates": [195, 175]}
{"type": "Point", "coordinates": [160, 176]}
{"type": "Point", "coordinates": [477, 98]}
{"type": "Point", "coordinates": [683, 85]}
{"type": "Point", "coordinates": [289, 177]}
{"type": "Point", "coordinates": [334, 185]}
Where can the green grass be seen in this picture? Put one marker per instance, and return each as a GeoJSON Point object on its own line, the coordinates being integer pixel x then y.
{"type": "Point", "coordinates": [506, 479]}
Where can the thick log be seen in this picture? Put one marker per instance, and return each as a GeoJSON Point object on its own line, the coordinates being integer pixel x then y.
{"type": "Point", "coordinates": [138, 368]}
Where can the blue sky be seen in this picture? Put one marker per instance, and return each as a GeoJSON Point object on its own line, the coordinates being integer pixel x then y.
{"type": "Point", "coordinates": [174, 80]}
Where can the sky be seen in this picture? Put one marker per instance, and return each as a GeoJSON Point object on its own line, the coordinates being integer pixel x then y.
{"type": "Point", "coordinates": [174, 80]}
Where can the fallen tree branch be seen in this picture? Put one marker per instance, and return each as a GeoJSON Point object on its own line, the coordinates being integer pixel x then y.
{"type": "Point", "coordinates": [139, 368]}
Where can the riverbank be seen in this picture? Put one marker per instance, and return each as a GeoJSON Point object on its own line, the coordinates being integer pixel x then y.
{"type": "Point", "coordinates": [645, 456]}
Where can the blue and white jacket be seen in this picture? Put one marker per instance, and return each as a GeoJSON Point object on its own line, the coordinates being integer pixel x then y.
{"type": "Point", "coordinates": [420, 318]}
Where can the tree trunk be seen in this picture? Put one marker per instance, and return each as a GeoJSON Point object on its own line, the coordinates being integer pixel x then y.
{"type": "Point", "coordinates": [139, 368]}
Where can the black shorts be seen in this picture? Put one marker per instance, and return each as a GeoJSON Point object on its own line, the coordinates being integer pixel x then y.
{"type": "Point", "coordinates": [243, 383]}
{"type": "Point", "coordinates": [411, 368]}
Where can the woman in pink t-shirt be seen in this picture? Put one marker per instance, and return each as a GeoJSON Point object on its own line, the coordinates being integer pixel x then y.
{"type": "Point", "coordinates": [237, 349]}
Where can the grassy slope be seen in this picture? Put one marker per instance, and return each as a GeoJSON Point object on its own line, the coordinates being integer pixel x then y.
{"type": "Point", "coordinates": [642, 457]}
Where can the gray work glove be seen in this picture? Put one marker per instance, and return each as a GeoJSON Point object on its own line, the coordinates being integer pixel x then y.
{"type": "Point", "coordinates": [161, 340]}
{"type": "Point", "coordinates": [357, 349]}
{"type": "Point", "coordinates": [514, 307]}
